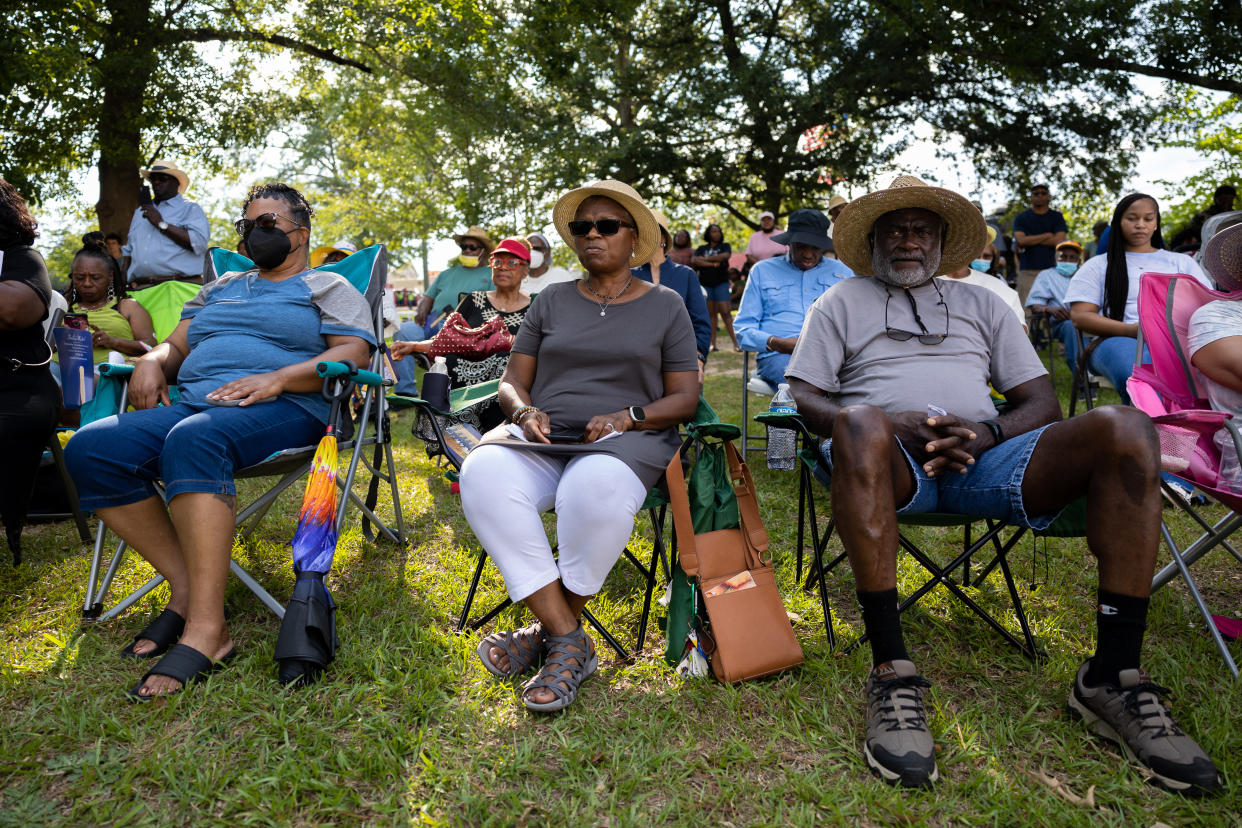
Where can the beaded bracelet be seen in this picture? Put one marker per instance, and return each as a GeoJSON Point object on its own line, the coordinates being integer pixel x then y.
{"type": "Point", "coordinates": [516, 416]}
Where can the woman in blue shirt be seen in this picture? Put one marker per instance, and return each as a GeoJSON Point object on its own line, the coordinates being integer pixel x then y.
{"type": "Point", "coordinates": [244, 359]}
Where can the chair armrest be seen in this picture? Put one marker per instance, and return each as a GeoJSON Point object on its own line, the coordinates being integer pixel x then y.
{"type": "Point", "coordinates": [341, 369]}
{"type": "Point", "coordinates": [117, 371]}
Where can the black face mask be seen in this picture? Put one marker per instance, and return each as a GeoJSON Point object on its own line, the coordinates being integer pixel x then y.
{"type": "Point", "coordinates": [267, 248]}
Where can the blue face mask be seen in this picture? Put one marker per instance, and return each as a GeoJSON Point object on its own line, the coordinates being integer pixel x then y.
{"type": "Point", "coordinates": [981, 265]}
{"type": "Point", "coordinates": [1067, 268]}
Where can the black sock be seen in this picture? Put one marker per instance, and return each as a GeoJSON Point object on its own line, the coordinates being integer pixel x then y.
{"type": "Point", "coordinates": [883, 625]}
{"type": "Point", "coordinates": [1120, 621]}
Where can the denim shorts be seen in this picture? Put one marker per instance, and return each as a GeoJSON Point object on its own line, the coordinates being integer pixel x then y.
{"type": "Point", "coordinates": [116, 461]}
{"type": "Point", "coordinates": [719, 293]}
{"type": "Point", "coordinates": [991, 488]}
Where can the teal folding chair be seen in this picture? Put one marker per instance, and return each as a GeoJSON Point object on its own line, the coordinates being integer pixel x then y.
{"type": "Point", "coordinates": [366, 270]}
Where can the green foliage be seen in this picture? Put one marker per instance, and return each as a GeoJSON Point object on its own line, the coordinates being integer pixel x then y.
{"type": "Point", "coordinates": [1213, 126]}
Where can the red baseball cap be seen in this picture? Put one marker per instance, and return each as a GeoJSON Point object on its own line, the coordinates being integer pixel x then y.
{"type": "Point", "coordinates": [514, 246]}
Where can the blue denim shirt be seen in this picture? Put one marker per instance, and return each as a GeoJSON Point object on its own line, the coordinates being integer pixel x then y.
{"type": "Point", "coordinates": [154, 254]}
{"type": "Point", "coordinates": [686, 282]}
{"type": "Point", "coordinates": [778, 296]}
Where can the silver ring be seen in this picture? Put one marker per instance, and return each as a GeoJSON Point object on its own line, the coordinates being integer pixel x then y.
{"type": "Point", "coordinates": [610, 428]}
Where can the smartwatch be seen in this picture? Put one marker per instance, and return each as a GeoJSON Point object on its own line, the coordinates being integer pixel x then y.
{"type": "Point", "coordinates": [637, 414]}
{"type": "Point", "coordinates": [163, 225]}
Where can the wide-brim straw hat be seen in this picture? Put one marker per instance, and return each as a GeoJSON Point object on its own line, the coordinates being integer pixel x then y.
{"type": "Point", "coordinates": [625, 195]}
{"type": "Point", "coordinates": [478, 234]}
{"type": "Point", "coordinates": [965, 235]}
{"type": "Point", "coordinates": [1222, 258]}
{"type": "Point", "coordinates": [166, 167]}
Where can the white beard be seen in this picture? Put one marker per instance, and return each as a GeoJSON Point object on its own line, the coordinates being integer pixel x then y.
{"type": "Point", "coordinates": [886, 273]}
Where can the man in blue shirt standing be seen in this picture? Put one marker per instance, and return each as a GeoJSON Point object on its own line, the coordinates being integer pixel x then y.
{"type": "Point", "coordinates": [1037, 232]}
{"type": "Point", "coordinates": [167, 235]}
{"type": "Point", "coordinates": [781, 290]}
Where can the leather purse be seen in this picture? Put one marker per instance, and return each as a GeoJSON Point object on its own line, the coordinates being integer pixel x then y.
{"type": "Point", "coordinates": [746, 619]}
{"type": "Point", "coordinates": [458, 338]}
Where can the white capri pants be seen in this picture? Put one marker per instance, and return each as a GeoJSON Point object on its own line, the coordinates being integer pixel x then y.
{"type": "Point", "coordinates": [505, 490]}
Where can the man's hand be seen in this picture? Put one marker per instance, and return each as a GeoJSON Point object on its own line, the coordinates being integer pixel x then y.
{"type": "Point", "coordinates": [249, 390]}
{"type": "Point", "coordinates": [1059, 312]}
{"type": "Point", "coordinates": [147, 386]}
{"type": "Point", "coordinates": [152, 215]}
{"type": "Point", "coordinates": [782, 344]}
{"type": "Point", "coordinates": [940, 444]}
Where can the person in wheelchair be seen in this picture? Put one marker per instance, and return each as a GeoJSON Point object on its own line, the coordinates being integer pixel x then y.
{"type": "Point", "coordinates": [894, 370]}
{"type": "Point", "coordinates": [602, 372]}
{"type": "Point", "coordinates": [243, 358]}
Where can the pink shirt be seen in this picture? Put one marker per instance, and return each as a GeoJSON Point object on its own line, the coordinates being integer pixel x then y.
{"type": "Point", "coordinates": [762, 247]}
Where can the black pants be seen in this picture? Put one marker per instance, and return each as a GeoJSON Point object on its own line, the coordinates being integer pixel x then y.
{"type": "Point", "coordinates": [29, 409]}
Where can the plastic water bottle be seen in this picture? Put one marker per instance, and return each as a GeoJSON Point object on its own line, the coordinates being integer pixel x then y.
{"type": "Point", "coordinates": [436, 385]}
{"type": "Point", "coordinates": [782, 442]}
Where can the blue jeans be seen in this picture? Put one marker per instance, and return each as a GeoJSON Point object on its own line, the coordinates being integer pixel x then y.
{"type": "Point", "coordinates": [992, 488]}
{"type": "Point", "coordinates": [1114, 358]}
{"type": "Point", "coordinates": [771, 366]}
{"type": "Point", "coordinates": [116, 461]}
{"type": "Point", "coordinates": [1065, 331]}
{"type": "Point", "coordinates": [718, 293]}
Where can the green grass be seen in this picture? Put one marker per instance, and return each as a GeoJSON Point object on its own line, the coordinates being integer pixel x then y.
{"type": "Point", "coordinates": [408, 728]}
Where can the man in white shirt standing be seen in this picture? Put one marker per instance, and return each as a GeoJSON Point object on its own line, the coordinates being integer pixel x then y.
{"type": "Point", "coordinates": [168, 234]}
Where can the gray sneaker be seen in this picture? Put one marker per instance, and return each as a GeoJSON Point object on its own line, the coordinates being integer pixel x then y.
{"type": "Point", "coordinates": [899, 745]}
{"type": "Point", "coordinates": [1134, 718]}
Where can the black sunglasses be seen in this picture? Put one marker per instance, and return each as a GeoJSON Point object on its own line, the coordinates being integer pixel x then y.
{"type": "Point", "coordinates": [925, 338]}
{"type": "Point", "coordinates": [266, 221]}
{"type": "Point", "coordinates": [471, 248]}
{"type": "Point", "coordinates": [604, 226]}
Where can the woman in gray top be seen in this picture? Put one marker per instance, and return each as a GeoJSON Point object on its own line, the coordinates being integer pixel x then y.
{"type": "Point", "coordinates": [602, 372]}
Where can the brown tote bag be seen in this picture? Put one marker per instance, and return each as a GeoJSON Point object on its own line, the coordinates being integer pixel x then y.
{"type": "Point", "coordinates": [747, 618]}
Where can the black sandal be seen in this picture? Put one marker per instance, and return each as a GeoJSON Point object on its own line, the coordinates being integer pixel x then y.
{"type": "Point", "coordinates": [164, 631]}
{"type": "Point", "coordinates": [183, 663]}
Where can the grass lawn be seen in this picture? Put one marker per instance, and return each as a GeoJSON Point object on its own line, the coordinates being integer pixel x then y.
{"type": "Point", "coordinates": [408, 728]}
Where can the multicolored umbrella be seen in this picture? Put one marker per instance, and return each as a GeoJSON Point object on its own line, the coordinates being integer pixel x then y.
{"type": "Point", "coordinates": [307, 642]}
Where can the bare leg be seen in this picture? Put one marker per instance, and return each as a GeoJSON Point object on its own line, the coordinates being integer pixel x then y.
{"type": "Point", "coordinates": [146, 528]}
{"type": "Point", "coordinates": [204, 523]}
{"type": "Point", "coordinates": [726, 313]}
{"type": "Point", "coordinates": [558, 609]}
{"type": "Point", "coordinates": [870, 478]}
{"type": "Point", "coordinates": [1111, 455]}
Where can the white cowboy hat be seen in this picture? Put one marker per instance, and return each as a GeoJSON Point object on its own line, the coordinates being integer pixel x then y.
{"type": "Point", "coordinates": [166, 167]}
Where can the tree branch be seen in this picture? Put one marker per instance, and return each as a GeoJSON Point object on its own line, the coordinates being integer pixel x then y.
{"type": "Point", "coordinates": [210, 35]}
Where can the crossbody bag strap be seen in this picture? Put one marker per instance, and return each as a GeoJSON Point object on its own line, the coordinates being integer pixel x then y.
{"type": "Point", "coordinates": [747, 506]}
{"type": "Point", "coordinates": [687, 554]}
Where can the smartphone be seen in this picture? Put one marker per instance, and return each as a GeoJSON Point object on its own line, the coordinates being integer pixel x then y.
{"type": "Point", "coordinates": [77, 320]}
{"type": "Point", "coordinates": [232, 403]}
{"type": "Point", "coordinates": [144, 194]}
{"type": "Point", "coordinates": [566, 437]}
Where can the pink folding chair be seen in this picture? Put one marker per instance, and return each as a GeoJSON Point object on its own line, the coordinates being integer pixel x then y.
{"type": "Point", "coordinates": [1171, 391]}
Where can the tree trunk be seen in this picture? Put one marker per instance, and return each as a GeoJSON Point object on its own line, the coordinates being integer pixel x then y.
{"type": "Point", "coordinates": [129, 58]}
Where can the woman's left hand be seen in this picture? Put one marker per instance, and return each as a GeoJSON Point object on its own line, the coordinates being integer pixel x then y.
{"type": "Point", "coordinates": [251, 389]}
{"type": "Point", "coordinates": [601, 425]}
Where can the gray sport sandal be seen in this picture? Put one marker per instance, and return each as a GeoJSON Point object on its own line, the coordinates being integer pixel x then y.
{"type": "Point", "coordinates": [571, 660]}
{"type": "Point", "coordinates": [525, 648]}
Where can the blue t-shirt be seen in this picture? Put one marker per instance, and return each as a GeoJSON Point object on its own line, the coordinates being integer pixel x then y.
{"type": "Point", "coordinates": [1041, 256]}
{"type": "Point", "coordinates": [686, 282]}
{"type": "Point", "coordinates": [243, 325]}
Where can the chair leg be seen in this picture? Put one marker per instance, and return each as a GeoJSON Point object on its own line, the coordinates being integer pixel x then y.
{"type": "Point", "coordinates": [474, 585]}
{"type": "Point", "coordinates": [1184, 569]}
{"type": "Point", "coordinates": [607, 636]}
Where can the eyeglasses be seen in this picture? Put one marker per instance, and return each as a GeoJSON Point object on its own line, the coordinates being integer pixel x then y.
{"type": "Point", "coordinates": [506, 262]}
{"type": "Point", "coordinates": [471, 248]}
{"type": "Point", "coordinates": [604, 226]}
{"type": "Point", "coordinates": [925, 338]}
{"type": "Point", "coordinates": [266, 221]}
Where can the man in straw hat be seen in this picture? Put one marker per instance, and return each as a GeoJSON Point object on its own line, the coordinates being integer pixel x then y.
{"type": "Point", "coordinates": [894, 369]}
{"type": "Point", "coordinates": [168, 234]}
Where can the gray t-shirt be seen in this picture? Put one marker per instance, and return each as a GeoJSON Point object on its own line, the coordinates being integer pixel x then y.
{"type": "Point", "coordinates": [1213, 321]}
{"type": "Point", "coordinates": [843, 348]}
{"type": "Point", "coordinates": [590, 364]}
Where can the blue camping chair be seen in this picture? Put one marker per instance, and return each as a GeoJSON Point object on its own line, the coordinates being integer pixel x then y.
{"type": "Point", "coordinates": [366, 270]}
